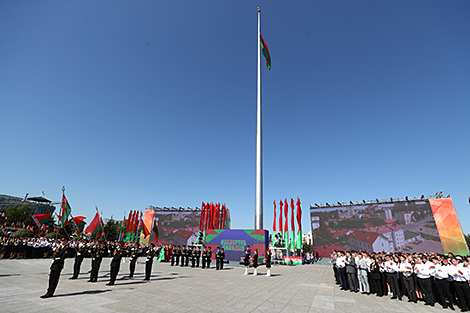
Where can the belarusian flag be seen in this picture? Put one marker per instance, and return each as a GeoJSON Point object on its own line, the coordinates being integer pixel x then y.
{"type": "Point", "coordinates": [298, 243]}
{"type": "Point", "coordinates": [155, 229]}
{"type": "Point", "coordinates": [143, 228]}
{"type": "Point", "coordinates": [79, 222]}
{"type": "Point", "coordinates": [96, 226]}
{"type": "Point", "coordinates": [66, 210]}
{"type": "Point", "coordinates": [264, 49]}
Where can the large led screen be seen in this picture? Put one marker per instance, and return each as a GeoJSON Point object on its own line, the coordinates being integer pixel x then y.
{"type": "Point", "coordinates": [407, 226]}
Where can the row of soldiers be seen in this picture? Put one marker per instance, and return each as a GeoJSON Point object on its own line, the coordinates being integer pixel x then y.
{"type": "Point", "coordinates": [431, 278]}
{"type": "Point", "coordinates": [182, 254]}
{"type": "Point", "coordinates": [97, 250]}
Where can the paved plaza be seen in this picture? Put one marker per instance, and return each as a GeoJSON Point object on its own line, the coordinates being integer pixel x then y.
{"type": "Point", "coordinates": [307, 288]}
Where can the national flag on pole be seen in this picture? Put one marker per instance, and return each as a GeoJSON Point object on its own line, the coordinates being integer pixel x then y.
{"type": "Point", "coordinates": [66, 210]}
{"type": "Point", "coordinates": [292, 224]}
{"type": "Point", "coordinates": [79, 223]}
{"type": "Point", "coordinates": [155, 229]}
{"type": "Point", "coordinates": [299, 241]}
{"type": "Point", "coordinates": [41, 219]}
{"type": "Point", "coordinates": [264, 49]}
{"type": "Point", "coordinates": [96, 226]}
{"type": "Point", "coordinates": [274, 220]}
{"type": "Point", "coordinates": [286, 224]}
{"type": "Point", "coordinates": [280, 217]}
{"type": "Point", "coordinates": [143, 228]}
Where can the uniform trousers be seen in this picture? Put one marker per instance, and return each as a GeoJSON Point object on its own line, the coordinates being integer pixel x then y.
{"type": "Point", "coordinates": [463, 294]}
{"type": "Point", "coordinates": [443, 291]}
{"type": "Point", "coordinates": [148, 268]}
{"type": "Point", "coordinates": [392, 280]}
{"type": "Point", "coordinates": [76, 265]}
{"type": "Point", "coordinates": [426, 287]}
{"type": "Point", "coordinates": [53, 280]}
{"type": "Point", "coordinates": [409, 287]}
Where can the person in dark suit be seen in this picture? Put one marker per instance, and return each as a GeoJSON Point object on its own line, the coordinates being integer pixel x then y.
{"type": "Point", "coordinates": [97, 256]}
{"type": "Point", "coordinates": [149, 261]}
{"type": "Point", "coordinates": [59, 255]}
{"type": "Point", "coordinates": [218, 258]}
{"type": "Point", "coordinates": [115, 263]}
{"type": "Point", "coordinates": [222, 258]}
{"type": "Point", "coordinates": [351, 272]}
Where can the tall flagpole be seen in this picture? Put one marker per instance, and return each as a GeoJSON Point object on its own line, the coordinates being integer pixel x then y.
{"type": "Point", "coordinates": [259, 150]}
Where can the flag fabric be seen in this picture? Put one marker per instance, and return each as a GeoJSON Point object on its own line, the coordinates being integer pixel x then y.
{"type": "Point", "coordinates": [2, 214]}
{"type": "Point", "coordinates": [66, 210]}
{"type": "Point", "coordinates": [161, 256]}
{"type": "Point", "coordinates": [79, 223]}
{"type": "Point", "coordinates": [201, 218]}
{"type": "Point", "coordinates": [128, 226]}
{"type": "Point", "coordinates": [41, 219]}
{"type": "Point", "coordinates": [274, 220]}
{"type": "Point", "coordinates": [286, 225]}
{"type": "Point", "coordinates": [96, 226]}
{"type": "Point", "coordinates": [299, 241]}
{"type": "Point", "coordinates": [292, 224]}
{"type": "Point", "coordinates": [155, 229]}
{"type": "Point", "coordinates": [143, 228]}
{"type": "Point", "coordinates": [264, 49]}
{"type": "Point", "coordinates": [280, 216]}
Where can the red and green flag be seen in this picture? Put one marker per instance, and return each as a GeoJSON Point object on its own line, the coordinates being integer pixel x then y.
{"type": "Point", "coordinates": [66, 210]}
{"type": "Point", "coordinates": [79, 223]}
{"type": "Point", "coordinates": [264, 49]}
{"type": "Point", "coordinates": [155, 230]}
{"type": "Point", "coordinates": [143, 228]}
{"type": "Point", "coordinates": [96, 226]}
{"type": "Point", "coordinates": [298, 242]}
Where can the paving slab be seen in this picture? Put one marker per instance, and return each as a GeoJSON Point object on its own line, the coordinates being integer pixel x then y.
{"type": "Point", "coordinates": [307, 288]}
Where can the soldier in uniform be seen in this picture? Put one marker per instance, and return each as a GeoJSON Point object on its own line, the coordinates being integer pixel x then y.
{"type": "Point", "coordinates": [267, 260]}
{"type": "Point", "coordinates": [59, 255]}
{"type": "Point", "coordinates": [149, 261]}
{"type": "Point", "coordinates": [193, 256]}
{"type": "Point", "coordinates": [208, 257]}
{"type": "Point", "coordinates": [97, 256]}
{"type": "Point", "coordinates": [198, 255]}
{"type": "Point", "coordinates": [173, 255]}
{"type": "Point", "coordinates": [183, 255]}
{"type": "Point", "coordinates": [115, 263]}
{"type": "Point", "coordinates": [246, 259]}
{"type": "Point", "coordinates": [81, 250]}
{"type": "Point", "coordinates": [218, 260]}
{"type": "Point", "coordinates": [187, 256]}
{"type": "Point", "coordinates": [222, 258]}
{"type": "Point", "coordinates": [178, 254]}
{"type": "Point", "coordinates": [133, 256]}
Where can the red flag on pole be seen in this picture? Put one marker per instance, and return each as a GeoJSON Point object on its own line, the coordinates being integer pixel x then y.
{"type": "Point", "coordinates": [280, 216]}
{"type": "Point", "coordinates": [206, 217]}
{"type": "Point", "coordinates": [217, 212]}
{"type": "Point", "coordinates": [274, 220]}
{"type": "Point", "coordinates": [128, 226]}
{"type": "Point", "coordinates": [299, 214]}
{"type": "Point", "coordinates": [286, 211]}
{"type": "Point", "coordinates": [201, 218]}
{"type": "Point", "coordinates": [292, 214]}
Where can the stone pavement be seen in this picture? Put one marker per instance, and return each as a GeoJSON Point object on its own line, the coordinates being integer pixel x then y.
{"type": "Point", "coordinates": [308, 288]}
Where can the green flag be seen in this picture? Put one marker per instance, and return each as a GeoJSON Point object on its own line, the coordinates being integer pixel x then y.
{"type": "Point", "coordinates": [298, 242]}
{"type": "Point", "coordinates": [161, 256]}
{"type": "Point", "coordinates": [66, 210]}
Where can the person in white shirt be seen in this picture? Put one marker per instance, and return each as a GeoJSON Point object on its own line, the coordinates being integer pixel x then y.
{"type": "Point", "coordinates": [441, 274]}
{"type": "Point", "coordinates": [459, 273]}
{"type": "Point", "coordinates": [391, 268]}
{"type": "Point", "coordinates": [424, 271]}
{"type": "Point", "coordinates": [341, 264]}
{"type": "Point", "coordinates": [406, 273]}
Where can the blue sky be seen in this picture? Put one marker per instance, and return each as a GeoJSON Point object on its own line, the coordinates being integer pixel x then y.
{"type": "Point", "coordinates": [130, 104]}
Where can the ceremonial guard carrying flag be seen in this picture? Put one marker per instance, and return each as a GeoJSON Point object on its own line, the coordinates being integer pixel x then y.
{"type": "Point", "coordinates": [59, 255]}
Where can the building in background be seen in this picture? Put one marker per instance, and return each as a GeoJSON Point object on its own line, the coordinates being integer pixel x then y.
{"type": "Point", "coordinates": [38, 205]}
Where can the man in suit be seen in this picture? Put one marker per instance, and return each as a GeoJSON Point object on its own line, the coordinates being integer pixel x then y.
{"type": "Point", "coordinates": [149, 261]}
{"type": "Point", "coordinates": [59, 255]}
{"type": "Point", "coordinates": [351, 272]}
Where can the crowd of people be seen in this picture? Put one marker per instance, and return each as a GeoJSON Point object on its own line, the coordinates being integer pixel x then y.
{"type": "Point", "coordinates": [430, 278]}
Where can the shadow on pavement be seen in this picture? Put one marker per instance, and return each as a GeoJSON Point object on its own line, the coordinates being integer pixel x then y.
{"type": "Point", "coordinates": [86, 292]}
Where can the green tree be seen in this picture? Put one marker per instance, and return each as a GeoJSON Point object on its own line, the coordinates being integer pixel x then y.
{"type": "Point", "coordinates": [24, 233]}
{"type": "Point", "coordinates": [467, 240]}
{"type": "Point", "coordinates": [111, 230]}
{"type": "Point", "coordinates": [19, 214]}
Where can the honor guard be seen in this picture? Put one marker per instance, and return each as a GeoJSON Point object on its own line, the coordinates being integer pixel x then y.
{"type": "Point", "coordinates": [81, 251]}
{"type": "Point", "coordinates": [133, 256]}
{"type": "Point", "coordinates": [115, 263]}
{"type": "Point", "coordinates": [149, 261]}
{"type": "Point", "coordinates": [218, 259]}
{"type": "Point", "coordinates": [97, 256]}
{"type": "Point", "coordinates": [59, 255]}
